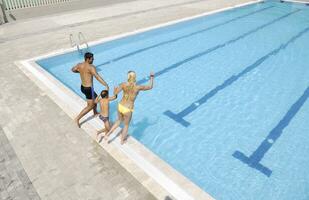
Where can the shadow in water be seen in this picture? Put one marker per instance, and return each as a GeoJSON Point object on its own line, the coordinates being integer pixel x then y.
{"type": "Point", "coordinates": [140, 127]}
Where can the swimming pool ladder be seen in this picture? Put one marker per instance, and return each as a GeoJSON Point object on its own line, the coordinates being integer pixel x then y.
{"type": "Point", "coordinates": [73, 43]}
{"type": "Point", "coordinates": [81, 42]}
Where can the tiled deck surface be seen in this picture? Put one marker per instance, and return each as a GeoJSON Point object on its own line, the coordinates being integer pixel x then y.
{"type": "Point", "coordinates": [14, 182]}
{"type": "Point", "coordinates": [39, 142]}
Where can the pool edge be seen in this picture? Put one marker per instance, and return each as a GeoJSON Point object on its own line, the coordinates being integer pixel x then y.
{"type": "Point", "coordinates": [296, 1]}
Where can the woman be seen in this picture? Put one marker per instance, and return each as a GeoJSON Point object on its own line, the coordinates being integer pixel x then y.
{"type": "Point", "coordinates": [126, 106]}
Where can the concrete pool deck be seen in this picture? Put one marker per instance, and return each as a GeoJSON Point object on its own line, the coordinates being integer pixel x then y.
{"type": "Point", "coordinates": [60, 160]}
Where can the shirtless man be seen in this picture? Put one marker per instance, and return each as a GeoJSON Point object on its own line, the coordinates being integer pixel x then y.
{"type": "Point", "coordinates": [87, 71]}
{"type": "Point", "coordinates": [126, 105]}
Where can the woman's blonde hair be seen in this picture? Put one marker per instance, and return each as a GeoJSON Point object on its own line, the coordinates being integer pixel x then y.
{"type": "Point", "coordinates": [131, 77]}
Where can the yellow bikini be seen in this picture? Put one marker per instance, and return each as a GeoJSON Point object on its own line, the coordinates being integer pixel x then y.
{"type": "Point", "coordinates": [123, 110]}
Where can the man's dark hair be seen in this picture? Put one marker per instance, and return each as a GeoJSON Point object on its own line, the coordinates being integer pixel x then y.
{"type": "Point", "coordinates": [88, 55]}
{"type": "Point", "coordinates": [104, 94]}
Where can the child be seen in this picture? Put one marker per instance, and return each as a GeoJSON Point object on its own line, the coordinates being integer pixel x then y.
{"type": "Point", "coordinates": [104, 100]}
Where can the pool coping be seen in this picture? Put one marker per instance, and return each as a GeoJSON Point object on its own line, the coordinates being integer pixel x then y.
{"type": "Point", "coordinates": [295, 1]}
{"type": "Point", "coordinates": [153, 173]}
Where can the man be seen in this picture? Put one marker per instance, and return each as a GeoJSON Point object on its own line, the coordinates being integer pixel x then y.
{"type": "Point", "coordinates": [125, 107]}
{"type": "Point", "coordinates": [87, 71]}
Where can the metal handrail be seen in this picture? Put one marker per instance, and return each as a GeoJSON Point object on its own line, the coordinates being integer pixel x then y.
{"type": "Point", "coordinates": [73, 43]}
{"type": "Point", "coordinates": [82, 40]}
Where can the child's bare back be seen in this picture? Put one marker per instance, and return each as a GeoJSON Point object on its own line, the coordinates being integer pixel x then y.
{"type": "Point", "coordinates": [104, 100]}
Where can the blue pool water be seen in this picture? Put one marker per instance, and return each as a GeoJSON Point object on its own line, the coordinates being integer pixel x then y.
{"type": "Point", "coordinates": [229, 108]}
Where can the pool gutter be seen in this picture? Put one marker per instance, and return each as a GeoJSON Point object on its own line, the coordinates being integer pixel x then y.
{"type": "Point", "coordinates": [292, 1]}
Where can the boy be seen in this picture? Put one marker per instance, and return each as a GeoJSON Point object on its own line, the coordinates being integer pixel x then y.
{"type": "Point", "coordinates": [104, 100]}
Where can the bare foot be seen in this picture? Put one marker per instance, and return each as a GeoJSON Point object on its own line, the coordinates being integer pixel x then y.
{"type": "Point", "coordinates": [105, 137]}
{"type": "Point", "coordinates": [98, 134]}
{"type": "Point", "coordinates": [101, 131]}
{"type": "Point", "coordinates": [101, 138]}
{"type": "Point", "coordinates": [124, 140]}
{"type": "Point", "coordinates": [77, 122]}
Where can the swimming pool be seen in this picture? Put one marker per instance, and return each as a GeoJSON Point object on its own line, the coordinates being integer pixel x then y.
{"type": "Point", "coordinates": [229, 107]}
